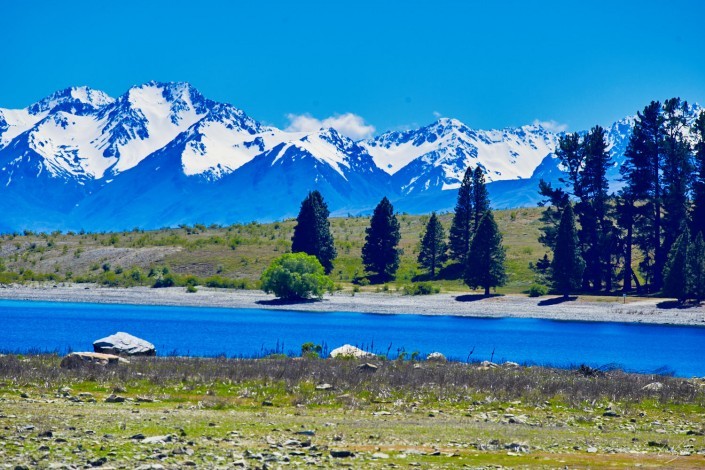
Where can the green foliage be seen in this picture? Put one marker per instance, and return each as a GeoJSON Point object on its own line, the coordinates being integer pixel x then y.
{"type": "Point", "coordinates": [312, 232]}
{"type": "Point", "coordinates": [537, 290]}
{"type": "Point", "coordinates": [421, 288]}
{"type": "Point", "coordinates": [296, 276]}
{"type": "Point", "coordinates": [461, 228]}
{"type": "Point", "coordinates": [485, 262]}
{"type": "Point", "coordinates": [481, 199]}
{"type": "Point", "coordinates": [380, 254]}
{"type": "Point", "coordinates": [433, 246]}
{"type": "Point", "coordinates": [676, 273]}
{"type": "Point", "coordinates": [190, 288]}
{"type": "Point", "coordinates": [697, 268]}
{"type": "Point", "coordinates": [311, 350]}
{"type": "Point", "coordinates": [567, 266]}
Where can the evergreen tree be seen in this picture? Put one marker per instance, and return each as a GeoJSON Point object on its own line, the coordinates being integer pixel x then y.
{"type": "Point", "coordinates": [697, 268]}
{"type": "Point", "coordinates": [433, 245]}
{"type": "Point", "coordinates": [642, 173]}
{"type": "Point", "coordinates": [568, 265]}
{"type": "Point", "coordinates": [461, 228]}
{"type": "Point", "coordinates": [485, 262]}
{"type": "Point", "coordinates": [677, 169]}
{"type": "Point", "coordinates": [312, 231]}
{"type": "Point", "coordinates": [698, 214]}
{"type": "Point", "coordinates": [380, 254]}
{"type": "Point", "coordinates": [676, 273]}
{"type": "Point", "coordinates": [481, 199]}
{"type": "Point", "coordinates": [596, 228]}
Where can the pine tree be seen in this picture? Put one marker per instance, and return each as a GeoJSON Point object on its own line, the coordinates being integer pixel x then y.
{"type": "Point", "coordinates": [596, 228]}
{"type": "Point", "coordinates": [677, 169]}
{"type": "Point", "coordinates": [461, 228]}
{"type": "Point", "coordinates": [698, 214]}
{"type": "Point", "coordinates": [568, 265]}
{"type": "Point", "coordinates": [676, 273]}
{"type": "Point", "coordinates": [697, 268]}
{"type": "Point", "coordinates": [642, 173]}
{"type": "Point", "coordinates": [312, 231]}
{"type": "Point", "coordinates": [481, 199]}
{"type": "Point", "coordinates": [485, 262]}
{"type": "Point", "coordinates": [433, 245]}
{"type": "Point", "coordinates": [380, 254]}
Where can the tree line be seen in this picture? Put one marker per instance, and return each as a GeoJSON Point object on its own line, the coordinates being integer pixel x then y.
{"type": "Point", "coordinates": [659, 212]}
{"type": "Point", "coordinates": [474, 245]}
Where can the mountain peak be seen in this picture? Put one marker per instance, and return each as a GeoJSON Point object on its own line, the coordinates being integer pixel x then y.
{"type": "Point", "coordinates": [76, 99]}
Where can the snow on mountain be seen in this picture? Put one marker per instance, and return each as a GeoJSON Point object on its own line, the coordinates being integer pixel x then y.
{"type": "Point", "coordinates": [163, 154]}
{"type": "Point", "coordinates": [436, 156]}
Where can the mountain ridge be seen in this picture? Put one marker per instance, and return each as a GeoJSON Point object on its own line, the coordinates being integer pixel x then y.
{"type": "Point", "coordinates": [162, 154]}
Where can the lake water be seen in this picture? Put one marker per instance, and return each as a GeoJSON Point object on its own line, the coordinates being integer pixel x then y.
{"type": "Point", "coordinates": [52, 326]}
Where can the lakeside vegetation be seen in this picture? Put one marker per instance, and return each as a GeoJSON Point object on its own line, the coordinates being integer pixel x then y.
{"type": "Point", "coordinates": [181, 412]}
{"type": "Point", "coordinates": [235, 256]}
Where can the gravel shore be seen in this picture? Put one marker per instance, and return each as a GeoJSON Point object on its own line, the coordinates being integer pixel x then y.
{"type": "Point", "coordinates": [638, 311]}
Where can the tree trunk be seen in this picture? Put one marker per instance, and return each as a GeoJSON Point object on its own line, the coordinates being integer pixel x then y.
{"type": "Point", "coordinates": [628, 260]}
{"type": "Point", "coordinates": [487, 291]}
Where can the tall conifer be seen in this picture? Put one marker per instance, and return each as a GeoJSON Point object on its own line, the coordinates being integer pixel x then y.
{"type": "Point", "coordinates": [461, 228]}
{"type": "Point", "coordinates": [481, 198]}
{"type": "Point", "coordinates": [567, 265]}
{"type": "Point", "coordinates": [485, 262]}
{"type": "Point", "coordinates": [380, 253]}
{"type": "Point", "coordinates": [433, 246]}
{"type": "Point", "coordinates": [698, 214]}
{"type": "Point", "coordinates": [312, 231]}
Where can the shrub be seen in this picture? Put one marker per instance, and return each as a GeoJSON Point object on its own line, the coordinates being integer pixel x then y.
{"type": "Point", "coordinates": [421, 288]}
{"type": "Point", "coordinates": [311, 350]}
{"type": "Point", "coordinates": [165, 281]}
{"type": "Point", "coordinates": [296, 276]}
{"type": "Point", "coordinates": [190, 288]}
{"type": "Point", "coordinates": [537, 290]}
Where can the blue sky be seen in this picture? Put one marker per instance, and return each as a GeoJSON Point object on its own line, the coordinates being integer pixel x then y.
{"type": "Point", "coordinates": [391, 64]}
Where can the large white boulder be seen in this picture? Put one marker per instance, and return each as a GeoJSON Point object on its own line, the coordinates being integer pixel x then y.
{"type": "Point", "coordinates": [124, 344]}
{"type": "Point", "coordinates": [348, 350]}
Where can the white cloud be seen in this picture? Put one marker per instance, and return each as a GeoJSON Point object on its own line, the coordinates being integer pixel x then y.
{"type": "Point", "coordinates": [437, 115]}
{"type": "Point", "coordinates": [348, 124]}
{"type": "Point", "coordinates": [553, 126]}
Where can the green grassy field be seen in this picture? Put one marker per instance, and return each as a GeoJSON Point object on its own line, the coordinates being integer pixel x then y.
{"type": "Point", "coordinates": [237, 255]}
{"type": "Point", "coordinates": [270, 413]}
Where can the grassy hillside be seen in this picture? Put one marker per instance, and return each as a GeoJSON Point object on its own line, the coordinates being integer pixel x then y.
{"type": "Point", "coordinates": [235, 256]}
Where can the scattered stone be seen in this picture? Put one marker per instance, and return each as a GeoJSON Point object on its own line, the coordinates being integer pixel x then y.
{"type": "Point", "coordinates": [324, 387]}
{"type": "Point", "coordinates": [112, 398]}
{"type": "Point", "coordinates": [653, 387]}
{"type": "Point", "coordinates": [138, 437]}
{"type": "Point", "coordinates": [306, 432]}
{"type": "Point", "coordinates": [510, 365]}
{"type": "Point", "coordinates": [488, 365]}
{"type": "Point", "coordinates": [80, 359]}
{"type": "Point", "coordinates": [45, 434]}
{"type": "Point", "coordinates": [368, 367]}
{"type": "Point", "coordinates": [436, 357]}
{"type": "Point", "coordinates": [98, 462]}
{"type": "Point", "coordinates": [611, 414]}
{"type": "Point", "coordinates": [348, 350]}
{"type": "Point", "coordinates": [341, 454]}
{"type": "Point", "coordinates": [124, 344]}
{"type": "Point", "coordinates": [380, 455]}
{"type": "Point", "coordinates": [591, 450]}
{"type": "Point", "coordinates": [158, 439]}
{"type": "Point", "coordinates": [267, 403]}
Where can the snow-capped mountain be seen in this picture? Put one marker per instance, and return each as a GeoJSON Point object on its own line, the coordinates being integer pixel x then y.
{"type": "Point", "coordinates": [436, 156]}
{"type": "Point", "coordinates": [162, 154]}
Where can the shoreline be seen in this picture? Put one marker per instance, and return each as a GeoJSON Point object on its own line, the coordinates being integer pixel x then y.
{"type": "Point", "coordinates": [452, 304]}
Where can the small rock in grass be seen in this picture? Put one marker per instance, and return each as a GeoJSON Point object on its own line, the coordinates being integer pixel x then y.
{"type": "Point", "coordinates": [324, 387]}
{"type": "Point", "coordinates": [112, 398]}
{"type": "Point", "coordinates": [653, 387]}
{"type": "Point", "coordinates": [591, 450]}
{"type": "Point", "coordinates": [341, 454]}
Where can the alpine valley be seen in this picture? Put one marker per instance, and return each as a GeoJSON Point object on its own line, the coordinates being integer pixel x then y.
{"type": "Point", "coordinates": [162, 155]}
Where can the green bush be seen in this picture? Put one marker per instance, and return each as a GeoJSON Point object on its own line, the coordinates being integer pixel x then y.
{"type": "Point", "coordinates": [421, 288]}
{"type": "Point", "coordinates": [296, 276]}
{"type": "Point", "coordinates": [537, 290]}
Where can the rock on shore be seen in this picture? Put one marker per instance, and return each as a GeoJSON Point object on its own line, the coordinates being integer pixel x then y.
{"type": "Point", "coordinates": [124, 344]}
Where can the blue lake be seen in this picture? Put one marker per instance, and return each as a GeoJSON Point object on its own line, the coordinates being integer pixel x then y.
{"type": "Point", "coordinates": [52, 326]}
